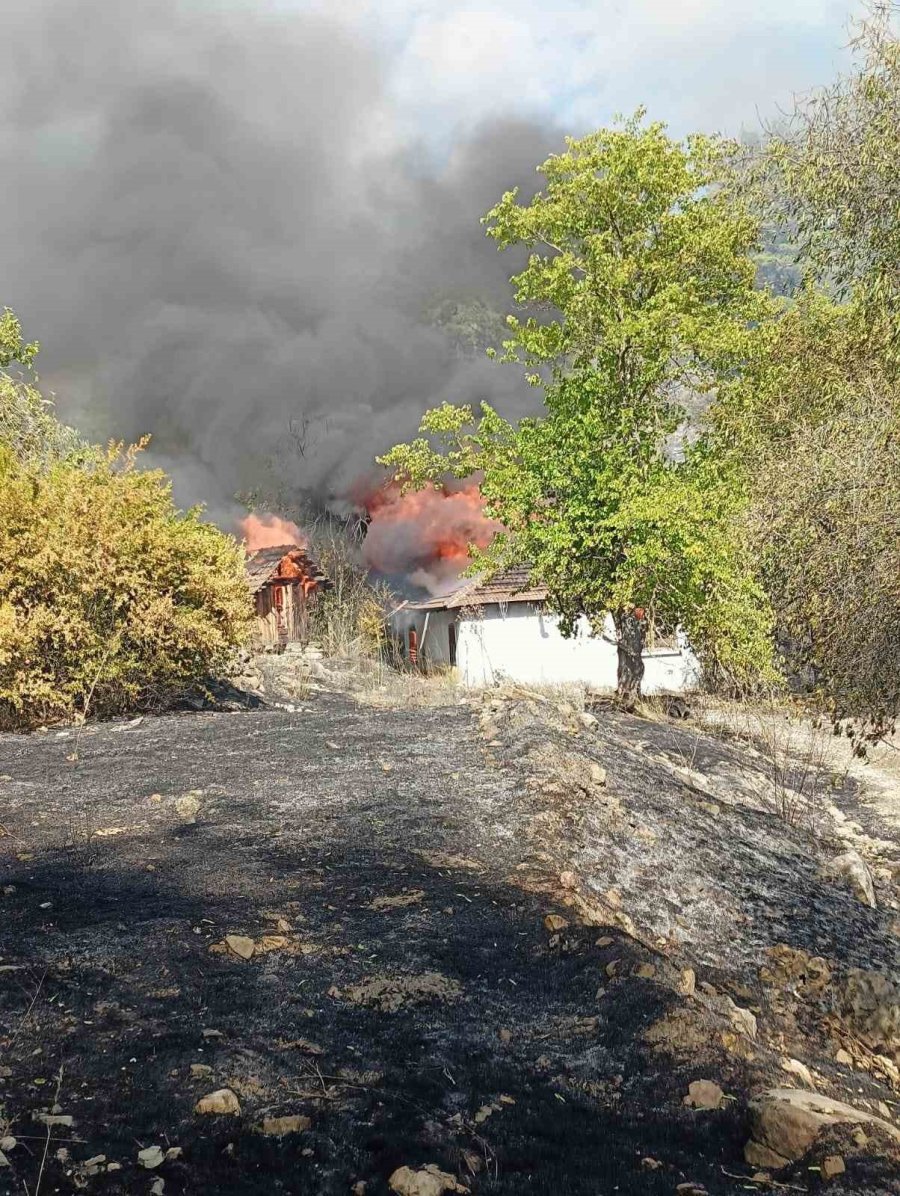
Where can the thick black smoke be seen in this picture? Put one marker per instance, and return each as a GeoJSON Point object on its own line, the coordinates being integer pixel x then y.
{"type": "Point", "coordinates": [208, 219]}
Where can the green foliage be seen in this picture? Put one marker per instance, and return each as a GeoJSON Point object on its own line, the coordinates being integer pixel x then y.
{"type": "Point", "coordinates": [814, 423]}
{"type": "Point", "coordinates": [12, 346]}
{"type": "Point", "coordinates": [110, 598]}
{"type": "Point", "coordinates": [642, 269]}
{"type": "Point", "coordinates": [815, 428]}
{"type": "Point", "coordinates": [27, 425]}
{"type": "Point", "coordinates": [471, 325]}
{"type": "Point", "coordinates": [831, 178]}
{"type": "Point", "coordinates": [107, 590]}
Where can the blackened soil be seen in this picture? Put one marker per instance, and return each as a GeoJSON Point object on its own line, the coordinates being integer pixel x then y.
{"type": "Point", "coordinates": [452, 1029]}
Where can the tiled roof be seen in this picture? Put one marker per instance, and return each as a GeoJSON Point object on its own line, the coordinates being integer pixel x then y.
{"type": "Point", "coordinates": [510, 585]}
{"type": "Point", "coordinates": [263, 564]}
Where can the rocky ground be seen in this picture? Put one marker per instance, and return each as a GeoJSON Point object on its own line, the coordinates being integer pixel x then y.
{"type": "Point", "coordinates": [500, 945]}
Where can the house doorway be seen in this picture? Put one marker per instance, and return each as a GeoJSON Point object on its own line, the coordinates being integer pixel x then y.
{"type": "Point", "coordinates": [452, 637]}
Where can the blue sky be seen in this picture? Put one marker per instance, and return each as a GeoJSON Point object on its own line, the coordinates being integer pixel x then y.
{"type": "Point", "coordinates": [697, 64]}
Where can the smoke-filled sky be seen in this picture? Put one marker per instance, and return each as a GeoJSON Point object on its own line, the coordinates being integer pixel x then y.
{"type": "Point", "coordinates": [226, 220]}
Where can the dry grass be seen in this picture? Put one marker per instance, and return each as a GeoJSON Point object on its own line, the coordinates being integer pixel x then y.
{"type": "Point", "coordinates": [795, 759]}
{"type": "Point", "coordinates": [388, 687]}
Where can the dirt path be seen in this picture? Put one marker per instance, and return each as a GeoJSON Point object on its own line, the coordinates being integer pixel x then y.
{"type": "Point", "coordinates": [404, 994]}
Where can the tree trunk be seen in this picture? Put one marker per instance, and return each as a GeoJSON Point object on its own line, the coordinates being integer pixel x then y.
{"type": "Point", "coordinates": [630, 631]}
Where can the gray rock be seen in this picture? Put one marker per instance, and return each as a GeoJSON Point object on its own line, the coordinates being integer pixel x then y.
{"type": "Point", "coordinates": [787, 1121]}
{"type": "Point", "coordinates": [851, 869]}
{"type": "Point", "coordinates": [871, 1004]}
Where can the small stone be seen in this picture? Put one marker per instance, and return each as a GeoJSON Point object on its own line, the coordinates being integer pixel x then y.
{"type": "Point", "coordinates": [220, 1103]}
{"type": "Point", "coordinates": [240, 945]}
{"type": "Point", "coordinates": [279, 1126]}
{"type": "Point", "coordinates": [158, 1186]}
{"type": "Point", "coordinates": [568, 880]}
{"type": "Point", "coordinates": [598, 774]}
{"type": "Point", "coordinates": [152, 1156]}
{"type": "Point", "coordinates": [850, 868]}
{"type": "Point", "coordinates": [554, 922]}
{"type": "Point", "coordinates": [645, 970]}
{"type": "Point", "coordinates": [505, 1035]}
{"type": "Point", "coordinates": [833, 1165]}
{"type": "Point", "coordinates": [4, 1161]}
{"type": "Point", "coordinates": [604, 941]}
{"type": "Point", "coordinates": [844, 1057]}
{"type": "Point", "coordinates": [800, 1070]}
{"type": "Point", "coordinates": [429, 1181]}
{"type": "Point", "coordinates": [198, 1070]}
{"type": "Point", "coordinates": [704, 1094]}
{"type": "Point", "coordinates": [687, 982]}
{"type": "Point", "coordinates": [742, 1019]}
{"type": "Point", "coordinates": [588, 721]}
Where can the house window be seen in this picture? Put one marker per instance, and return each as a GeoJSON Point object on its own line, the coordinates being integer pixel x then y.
{"type": "Point", "coordinates": [452, 637]}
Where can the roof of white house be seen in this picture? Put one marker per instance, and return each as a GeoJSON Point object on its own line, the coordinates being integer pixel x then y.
{"type": "Point", "coordinates": [510, 585]}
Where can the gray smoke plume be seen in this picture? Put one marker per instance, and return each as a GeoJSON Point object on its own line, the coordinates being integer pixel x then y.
{"type": "Point", "coordinates": [209, 220]}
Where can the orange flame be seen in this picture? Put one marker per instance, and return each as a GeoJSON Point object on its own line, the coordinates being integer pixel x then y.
{"type": "Point", "coordinates": [425, 534]}
{"type": "Point", "coordinates": [269, 531]}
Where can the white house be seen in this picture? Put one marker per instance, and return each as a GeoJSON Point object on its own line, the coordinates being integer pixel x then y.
{"type": "Point", "coordinates": [501, 630]}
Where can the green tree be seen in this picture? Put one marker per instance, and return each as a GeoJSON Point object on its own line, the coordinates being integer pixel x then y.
{"type": "Point", "coordinates": [814, 426]}
{"type": "Point", "coordinates": [813, 423]}
{"type": "Point", "coordinates": [830, 177]}
{"type": "Point", "coordinates": [110, 598]}
{"type": "Point", "coordinates": [638, 297]}
{"type": "Point", "coordinates": [28, 427]}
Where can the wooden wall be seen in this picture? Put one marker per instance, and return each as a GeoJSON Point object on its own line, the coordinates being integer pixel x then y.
{"type": "Point", "coordinates": [282, 614]}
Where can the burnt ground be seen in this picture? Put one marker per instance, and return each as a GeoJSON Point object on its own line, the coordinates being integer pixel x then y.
{"type": "Point", "coordinates": [394, 869]}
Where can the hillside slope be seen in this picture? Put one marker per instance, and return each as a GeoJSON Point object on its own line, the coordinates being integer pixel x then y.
{"type": "Point", "coordinates": [500, 938]}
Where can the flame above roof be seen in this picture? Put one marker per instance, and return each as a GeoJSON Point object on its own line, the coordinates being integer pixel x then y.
{"type": "Point", "coordinates": [264, 566]}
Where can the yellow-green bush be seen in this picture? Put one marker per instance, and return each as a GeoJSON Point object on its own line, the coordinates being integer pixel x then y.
{"type": "Point", "coordinates": [110, 598]}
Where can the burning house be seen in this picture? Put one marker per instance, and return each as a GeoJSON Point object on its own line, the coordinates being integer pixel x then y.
{"type": "Point", "coordinates": [501, 629]}
{"type": "Point", "coordinates": [284, 582]}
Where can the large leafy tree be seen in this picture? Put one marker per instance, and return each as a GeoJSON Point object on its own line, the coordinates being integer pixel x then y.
{"type": "Point", "coordinates": [814, 421]}
{"type": "Point", "coordinates": [829, 176]}
{"type": "Point", "coordinates": [815, 426]}
{"type": "Point", "coordinates": [638, 301]}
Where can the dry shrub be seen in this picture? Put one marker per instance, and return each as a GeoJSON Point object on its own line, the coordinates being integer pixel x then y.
{"type": "Point", "coordinates": [349, 619]}
{"type": "Point", "coordinates": [110, 598]}
{"type": "Point", "coordinates": [794, 763]}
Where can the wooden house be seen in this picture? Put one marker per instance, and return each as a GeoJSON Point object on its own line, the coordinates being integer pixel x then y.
{"type": "Point", "coordinates": [284, 582]}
